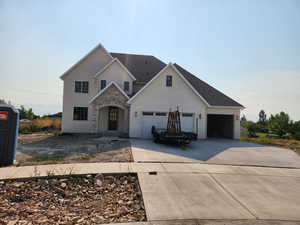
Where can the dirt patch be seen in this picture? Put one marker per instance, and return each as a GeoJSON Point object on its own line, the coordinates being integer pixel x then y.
{"type": "Point", "coordinates": [45, 148]}
{"type": "Point", "coordinates": [88, 199]}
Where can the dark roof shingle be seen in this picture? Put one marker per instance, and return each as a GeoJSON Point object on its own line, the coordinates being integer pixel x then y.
{"type": "Point", "coordinates": [209, 93]}
{"type": "Point", "coordinates": [145, 67]}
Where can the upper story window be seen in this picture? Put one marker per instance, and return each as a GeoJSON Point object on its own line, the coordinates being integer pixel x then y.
{"type": "Point", "coordinates": [126, 86]}
{"type": "Point", "coordinates": [80, 113]}
{"type": "Point", "coordinates": [81, 86]}
{"type": "Point", "coordinates": [169, 81]}
{"type": "Point", "coordinates": [102, 84]}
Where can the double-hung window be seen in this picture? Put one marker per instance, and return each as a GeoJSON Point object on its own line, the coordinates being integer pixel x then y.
{"type": "Point", "coordinates": [80, 113]}
{"type": "Point", "coordinates": [81, 86]}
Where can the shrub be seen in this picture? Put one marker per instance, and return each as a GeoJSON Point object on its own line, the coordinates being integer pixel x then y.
{"type": "Point", "coordinates": [251, 127]}
{"type": "Point", "coordinates": [296, 135]}
{"type": "Point", "coordinates": [280, 124]}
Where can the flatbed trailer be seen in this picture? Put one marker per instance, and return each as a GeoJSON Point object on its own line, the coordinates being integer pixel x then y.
{"type": "Point", "coordinates": [162, 135]}
{"type": "Point", "coordinates": [173, 132]}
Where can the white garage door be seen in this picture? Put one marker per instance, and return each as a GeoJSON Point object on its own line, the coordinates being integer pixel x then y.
{"type": "Point", "coordinates": [160, 120]}
{"type": "Point", "coordinates": [187, 122]}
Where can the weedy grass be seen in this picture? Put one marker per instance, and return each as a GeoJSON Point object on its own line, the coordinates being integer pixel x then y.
{"type": "Point", "coordinates": [41, 124]}
{"type": "Point", "coordinates": [84, 157]}
{"type": "Point", "coordinates": [280, 142]}
{"type": "Point", "coordinates": [44, 159]}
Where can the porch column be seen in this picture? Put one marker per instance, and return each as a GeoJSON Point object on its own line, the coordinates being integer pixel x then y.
{"type": "Point", "coordinates": [97, 119]}
{"type": "Point", "coordinates": [126, 120]}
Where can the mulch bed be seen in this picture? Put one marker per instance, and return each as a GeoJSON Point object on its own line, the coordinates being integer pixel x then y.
{"type": "Point", "coordinates": [87, 199]}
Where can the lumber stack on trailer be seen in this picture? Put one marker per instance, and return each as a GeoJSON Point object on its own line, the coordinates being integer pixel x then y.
{"type": "Point", "coordinates": [174, 125]}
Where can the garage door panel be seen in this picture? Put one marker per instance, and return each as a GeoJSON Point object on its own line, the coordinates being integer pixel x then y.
{"type": "Point", "coordinates": [160, 120]}
{"type": "Point", "coordinates": [147, 123]}
{"type": "Point", "coordinates": [187, 123]}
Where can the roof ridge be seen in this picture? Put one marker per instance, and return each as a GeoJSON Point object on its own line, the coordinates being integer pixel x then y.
{"type": "Point", "coordinates": [131, 54]}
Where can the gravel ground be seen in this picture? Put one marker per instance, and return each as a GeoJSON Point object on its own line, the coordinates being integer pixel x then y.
{"type": "Point", "coordinates": [88, 199]}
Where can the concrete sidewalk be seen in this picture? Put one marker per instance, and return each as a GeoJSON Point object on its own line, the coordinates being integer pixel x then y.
{"type": "Point", "coordinates": [85, 168]}
{"type": "Point", "coordinates": [197, 191]}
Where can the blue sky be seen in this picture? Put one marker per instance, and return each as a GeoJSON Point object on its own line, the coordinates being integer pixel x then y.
{"type": "Point", "coordinates": [250, 50]}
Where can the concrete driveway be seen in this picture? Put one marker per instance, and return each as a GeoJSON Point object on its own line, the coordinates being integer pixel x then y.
{"type": "Point", "coordinates": [202, 191]}
{"type": "Point", "coordinates": [215, 151]}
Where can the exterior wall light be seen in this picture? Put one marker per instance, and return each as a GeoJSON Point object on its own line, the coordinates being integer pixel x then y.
{"type": "Point", "coordinates": [200, 116]}
{"type": "Point", "coordinates": [237, 117]}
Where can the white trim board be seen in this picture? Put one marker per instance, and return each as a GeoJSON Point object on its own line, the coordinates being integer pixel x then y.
{"type": "Point", "coordinates": [104, 89]}
{"type": "Point", "coordinates": [157, 75]}
{"type": "Point", "coordinates": [188, 83]}
{"type": "Point", "coordinates": [83, 58]}
{"type": "Point", "coordinates": [227, 107]}
{"type": "Point", "coordinates": [109, 64]}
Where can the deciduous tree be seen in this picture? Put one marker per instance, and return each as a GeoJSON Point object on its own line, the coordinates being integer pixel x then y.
{"type": "Point", "coordinates": [280, 123]}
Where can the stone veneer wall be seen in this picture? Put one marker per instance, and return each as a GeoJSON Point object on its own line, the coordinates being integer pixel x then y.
{"type": "Point", "coordinates": [110, 97]}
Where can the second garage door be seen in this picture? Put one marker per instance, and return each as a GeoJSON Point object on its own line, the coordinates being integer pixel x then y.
{"type": "Point", "coordinates": [160, 120]}
{"type": "Point", "coordinates": [220, 126]}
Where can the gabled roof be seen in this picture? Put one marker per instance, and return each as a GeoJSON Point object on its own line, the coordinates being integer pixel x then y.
{"type": "Point", "coordinates": [143, 67]}
{"type": "Point", "coordinates": [104, 89]}
{"type": "Point", "coordinates": [210, 94]}
{"type": "Point", "coordinates": [115, 60]}
{"type": "Point", "coordinates": [86, 56]}
{"type": "Point", "coordinates": [146, 67]}
{"type": "Point", "coordinates": [156, 76]}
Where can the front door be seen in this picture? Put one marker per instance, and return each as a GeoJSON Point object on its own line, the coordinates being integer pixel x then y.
{"type": "Point", "coordinates": [113, 118]}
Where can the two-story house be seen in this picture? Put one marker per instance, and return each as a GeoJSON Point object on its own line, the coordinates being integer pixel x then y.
{"type": "Point", "coordinates": [114, 93]}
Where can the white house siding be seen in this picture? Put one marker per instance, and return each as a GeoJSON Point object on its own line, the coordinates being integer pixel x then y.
{"type": "Point", "coordinates": [117, 74]}
{"type": "Point", "coordinates": [85, 71]}
{"type": "Point", "coordinates": [158, 98]}
{"type": "Point", "coordinates": [227, 111]}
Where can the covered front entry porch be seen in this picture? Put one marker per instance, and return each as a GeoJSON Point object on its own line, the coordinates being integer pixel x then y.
{"type": "Point", "coordinates": [112, 120]}
{"type": "Point", "coordinates": [111, 111]}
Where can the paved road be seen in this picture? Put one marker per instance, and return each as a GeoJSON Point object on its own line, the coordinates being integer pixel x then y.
{"type": "Point", "coordinates": [215, 151]}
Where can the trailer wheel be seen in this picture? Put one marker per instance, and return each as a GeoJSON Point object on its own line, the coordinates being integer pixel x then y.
{"type": "Point", "coordinates": [156, 139]}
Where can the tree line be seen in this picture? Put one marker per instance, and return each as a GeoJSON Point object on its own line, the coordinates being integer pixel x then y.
{"type": "Point", "coordinates": [23, 112]}
{"type": "Point", "coordinates": [279, 124]}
